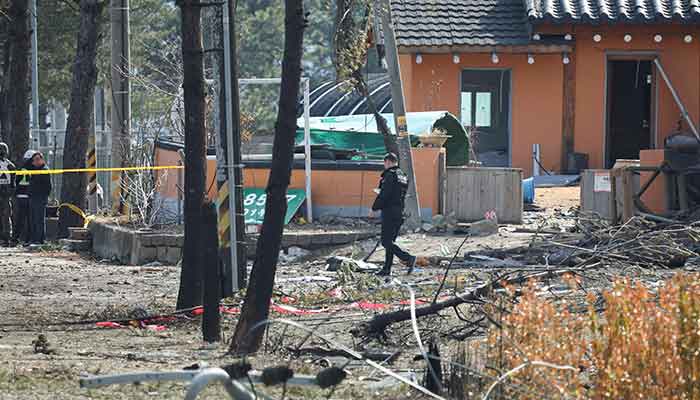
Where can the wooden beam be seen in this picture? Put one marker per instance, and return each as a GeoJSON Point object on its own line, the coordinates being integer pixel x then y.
{"type": "Point", "coordinates": [568, 111]}
{"type": "Point", "coordinates": [523, 49]}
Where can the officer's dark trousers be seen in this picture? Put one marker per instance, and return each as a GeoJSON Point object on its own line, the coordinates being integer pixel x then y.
{"type": "Point", "coordinates": [37, 219]}
{"type": "Point", "coordinates": [21, 220]}
{"type": "Point", "coordinates": [391, 225]}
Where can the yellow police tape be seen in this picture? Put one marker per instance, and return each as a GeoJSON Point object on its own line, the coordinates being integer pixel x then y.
{"type": "Point", "coordinates": [86, 218]}
{"type": "Point", "coordinates": [78, 170]}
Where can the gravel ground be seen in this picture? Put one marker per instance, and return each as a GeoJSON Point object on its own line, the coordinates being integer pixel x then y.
{"type": "Point", "coordinates": [41, 290]}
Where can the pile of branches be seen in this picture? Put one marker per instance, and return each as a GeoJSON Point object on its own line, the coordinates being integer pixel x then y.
{"type": "Point", "coordinates": [639, 242]}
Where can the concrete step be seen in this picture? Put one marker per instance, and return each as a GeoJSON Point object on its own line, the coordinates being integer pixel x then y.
{"type": "Point", "coordinates": [76, 245]}
{"type": "Point", "coordinates": [79, 234]}
{"type": "Point", "coordinates": [51, 229]}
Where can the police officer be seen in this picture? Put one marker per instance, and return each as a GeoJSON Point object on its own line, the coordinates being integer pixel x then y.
{"type": "Point", "coordinates": [6, 192]}
{"type": "Point", "coordinates": [390, 201]}
{"type": "Point", "coordinates": [21, 217]}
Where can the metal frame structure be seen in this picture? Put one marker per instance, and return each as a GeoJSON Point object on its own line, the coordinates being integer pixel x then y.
{"type": "Point", "coordinates": [307, 133]}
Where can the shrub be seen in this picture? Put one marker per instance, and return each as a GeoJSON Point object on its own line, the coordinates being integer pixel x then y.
{"type": "Point", "coordinates": [644, 344]}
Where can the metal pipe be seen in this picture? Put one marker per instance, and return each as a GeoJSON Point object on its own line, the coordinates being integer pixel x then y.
{"type": "Point", "coordinates": [233, 240]}
{"type": "Point", "coordinates": [684, 112]}
{"type": "Point", "coordinates": [307, 151]}
{"type": "Point", "coordinates": [209, 375]}
{"type": "Point", "coordinates": [536, 160]}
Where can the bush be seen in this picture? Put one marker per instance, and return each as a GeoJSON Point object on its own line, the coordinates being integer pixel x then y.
{"type": "Point", "coordinates": [644, 344]}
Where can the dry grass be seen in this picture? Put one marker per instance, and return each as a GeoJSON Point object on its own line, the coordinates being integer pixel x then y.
{"type": "Point", "coordinates": [645, 343]}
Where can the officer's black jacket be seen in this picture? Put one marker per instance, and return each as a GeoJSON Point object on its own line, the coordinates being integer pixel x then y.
{"type": "Point", "coordinates": [392, 190]}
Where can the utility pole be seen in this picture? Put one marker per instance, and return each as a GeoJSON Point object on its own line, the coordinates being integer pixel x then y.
{"type": "Point", "coordinates": [33, 137]}
{"type": "Point", "coordinates": [121, 99]}
{"type": "Point", "coordinates": [413, 219]}
{"type": "Point", "coordinates": [229, 174]}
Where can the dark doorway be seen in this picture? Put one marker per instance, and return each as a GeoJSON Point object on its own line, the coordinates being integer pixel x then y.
{"type": "Point", "coordinates": [630, 85]}
{"type": "Point", "coordinates": [485, 107]}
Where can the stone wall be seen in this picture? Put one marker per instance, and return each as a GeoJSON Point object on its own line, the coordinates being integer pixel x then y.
{"type": "Point", "coordinates": [137, 247]}
{"type": "Point", "coordinates": [134, 247]}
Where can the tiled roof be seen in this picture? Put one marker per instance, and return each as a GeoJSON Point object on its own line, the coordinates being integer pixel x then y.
{"type": "Point", "coordinates": [448, 23]}
{"type": "Point", "coordinates": [611, 11]}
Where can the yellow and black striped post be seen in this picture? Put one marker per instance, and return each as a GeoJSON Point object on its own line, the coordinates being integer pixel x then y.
{"type": "Point", "coordinates": [222, 203]}
{"type": "Point", "coordinates": [91, 163]}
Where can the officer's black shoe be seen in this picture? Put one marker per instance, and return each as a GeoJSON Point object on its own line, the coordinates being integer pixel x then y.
{"type": "Point", "coordinates": [411, 264]}
{"type": "Point", "coordinates": [383, 272]}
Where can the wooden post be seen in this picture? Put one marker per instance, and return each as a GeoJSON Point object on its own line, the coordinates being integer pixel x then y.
{"type": "Point", "coordinates": [121, 96]}
{"type": "Point", "coordinates": [211, 320]}
{"type": "Point", "coordinates": [569, 111]}
{"type": "Point", "coordinates": [413, 218]}
{"type": "Point", "coordinates": [628, 207]}
{"type": "Point", "coordinates": [682, 192]}
{"type": "Point", "coordinates": [442, 182]}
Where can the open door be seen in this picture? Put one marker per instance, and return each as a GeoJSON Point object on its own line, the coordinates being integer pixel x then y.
{"type": "Point", "coordinates": [485, 106]}
{"type": "Point", "coordinates": [630, 84]}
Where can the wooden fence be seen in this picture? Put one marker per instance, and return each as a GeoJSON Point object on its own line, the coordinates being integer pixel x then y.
{"type": "Point", "coordinates": [471, 192]}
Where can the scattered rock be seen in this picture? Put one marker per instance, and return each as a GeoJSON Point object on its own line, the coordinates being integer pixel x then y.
{"type": "Point", "coordinates": [293, 254]}
{"type": "Point", "coordinates": [485, 227]}
{"type": "Point", "coordinates": [155, 264]}
{"type": "Point", "coordinates": [42, 346]}
{"type": "Point", "coordinates": [334, 264]}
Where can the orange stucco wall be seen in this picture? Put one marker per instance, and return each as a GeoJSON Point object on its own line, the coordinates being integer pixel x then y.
{"type": "Point", "coordinates": [168, 179]}
{"type": "Point", "coordinates": [680, 60]}
{"type": "Point", "coordinates": [536, 97]}
{"type": "Point", "coordinates": [331, 189]}
{"type": "Point", "coordinates": [537, 90]}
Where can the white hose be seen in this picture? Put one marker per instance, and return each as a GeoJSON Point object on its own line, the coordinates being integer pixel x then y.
{"type": "Point", "coordinates": [209, 375]}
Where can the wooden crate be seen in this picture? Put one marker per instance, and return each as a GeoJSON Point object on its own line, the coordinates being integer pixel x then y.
{"type": "Point", "coordinates": [597, 188]}
{"type": "Point", "coordinates": [471, 192]}
{"type": "Point", "coordinates": [610, 193]}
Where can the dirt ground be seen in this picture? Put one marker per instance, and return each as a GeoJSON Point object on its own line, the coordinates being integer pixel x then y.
{"type": "Point", "coordinates": [49, 291]}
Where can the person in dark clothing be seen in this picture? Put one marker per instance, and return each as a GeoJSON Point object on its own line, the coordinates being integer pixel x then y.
{"type": "Point", "coordinates": [39, 190]}
{"type": "Point", "coordinates": [390, 201]}
{"type": "Point", "coordinates": [6, 191]}
{"type": "Point", "coordinates": [20, 233]}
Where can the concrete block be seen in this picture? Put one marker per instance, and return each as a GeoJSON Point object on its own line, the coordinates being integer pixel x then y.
{"type": "Point", "coordinates": [173, 255]}
{"type": "Point", "coordinates": [172, 240]}
{"type": "Point", "coordinates": [169, 255]}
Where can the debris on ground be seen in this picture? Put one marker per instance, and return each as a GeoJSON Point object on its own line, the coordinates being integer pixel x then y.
{"type": "Point", "coordinates": [362, 337]}
{"type": "Point", "coordinates": [42, 346]}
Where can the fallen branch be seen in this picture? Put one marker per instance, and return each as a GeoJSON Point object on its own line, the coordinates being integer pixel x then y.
{"type": "Point", "coordinates": [378, 324]}
{"type": "Point", "coordinates": [381, 356]}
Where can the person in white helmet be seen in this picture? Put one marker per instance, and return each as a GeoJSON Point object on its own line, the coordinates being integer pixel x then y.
{"type": "Point", "coordinates": [20, 232]}
{"type": "Point", "coordinates": [6, 192]}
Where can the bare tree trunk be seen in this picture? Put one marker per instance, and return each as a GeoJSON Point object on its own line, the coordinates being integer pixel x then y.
{"type": "Point", "coordinates": [256, 307]}
{"type": "Point", "coordinates": [80, 112]}
{"type": "Point", "coordinates": [346, 32]}
{"type": "Point", "coordinates": [15, 125]}
{"type": "Point", "coordinates": [4, 70]}
{"type": "Point", "coordinates": [191, 275]}
{"type": "Point", "coordinates": [211, 319]}
{"type": "Point", "coordinates": [383, 127]}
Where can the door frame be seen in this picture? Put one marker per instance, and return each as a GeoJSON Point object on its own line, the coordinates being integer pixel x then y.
{"type": "Point", "coordinates": [510, 103]}
{"type": "Point", "coordinates": [653, 124]}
